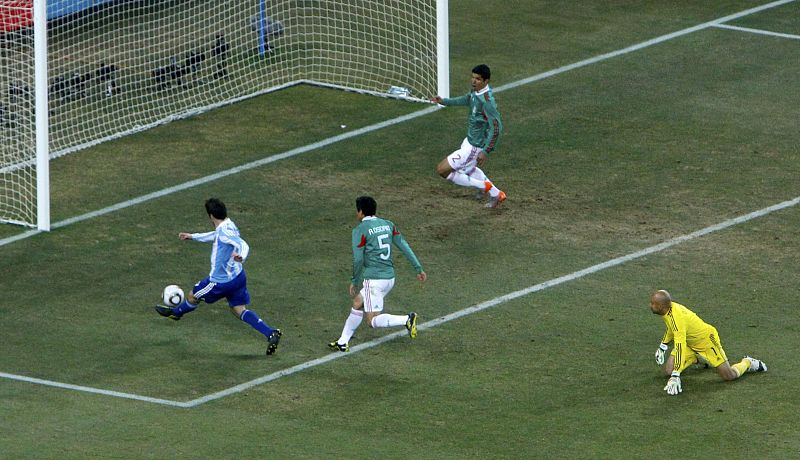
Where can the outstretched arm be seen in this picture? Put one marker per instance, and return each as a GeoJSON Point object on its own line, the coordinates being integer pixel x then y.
{"type": "Point", "coordinates": [461, 100]}
{"type": "Point", "coordinates": [401, 243]}
{"type": "Point", "coordinates": [203, 237]}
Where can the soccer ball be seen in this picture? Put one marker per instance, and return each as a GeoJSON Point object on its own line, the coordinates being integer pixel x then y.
{"type": "Point", "coordinates": [172, 295]}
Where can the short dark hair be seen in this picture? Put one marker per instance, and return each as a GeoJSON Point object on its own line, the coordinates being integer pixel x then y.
{"type": "Point", "coordinates": [367, 205]}
{"type": "Point", "coordinates": [483, 70]}
{"type": "Point", "coordinates": [216, 208]}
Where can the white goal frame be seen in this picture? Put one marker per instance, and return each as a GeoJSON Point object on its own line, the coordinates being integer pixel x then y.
{"type": "Point", "coordinates": [42, 90]}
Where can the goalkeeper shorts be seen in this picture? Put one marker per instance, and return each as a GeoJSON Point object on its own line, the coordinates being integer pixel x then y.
{"type": "Point", "coordinates": [710, 348]}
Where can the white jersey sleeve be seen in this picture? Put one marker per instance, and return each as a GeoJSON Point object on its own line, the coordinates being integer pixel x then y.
{"type": "Point", "coordinates": [206, 237]}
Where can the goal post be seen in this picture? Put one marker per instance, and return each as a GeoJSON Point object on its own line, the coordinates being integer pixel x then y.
{"type": "Point", "coordinates": [76, 73]}
{"type": "Point", "coordinates": [443, 48]}
{"type": "Point", "coordinates": [41, 119]}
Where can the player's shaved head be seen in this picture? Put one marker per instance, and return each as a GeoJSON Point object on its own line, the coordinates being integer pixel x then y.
{"type": "Point", "coordinates": [662, 297]}
{"type": "Point", "coordinates": [660, 302]}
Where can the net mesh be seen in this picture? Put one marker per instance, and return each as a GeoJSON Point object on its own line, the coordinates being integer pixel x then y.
{"type": "Point", "coordinates": [17, 131]}
{"type": "Point", "coordinates": [118, 67]}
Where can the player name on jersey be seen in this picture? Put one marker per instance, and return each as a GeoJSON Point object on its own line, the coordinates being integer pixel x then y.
{"type": "Point", "coordinates": [380, 229]}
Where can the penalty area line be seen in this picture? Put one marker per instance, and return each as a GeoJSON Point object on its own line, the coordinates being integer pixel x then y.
{"type": "Point", "coordinates": [500, 300]}
{"type": "Point", "coordinates": [424, 326]}
{"type": "Point", "coordinates": [757, 31]}
{"type": "Point", "coordinates": [85, 389]}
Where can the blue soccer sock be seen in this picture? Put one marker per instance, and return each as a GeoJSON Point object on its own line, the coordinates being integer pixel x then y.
{"type": "Point", "coordinates": [183, 308]}
{"type": "Point", "coordinates": [252, 318]}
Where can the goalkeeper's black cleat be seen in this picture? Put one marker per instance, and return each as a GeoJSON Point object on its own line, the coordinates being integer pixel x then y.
{"type": "Point", "coordinates": [336, 346]}
{"type": "Point", "coordinates": [411, 325]}
{"type": "Point", "coordinates": [167, 312]}
{"type": "Point", "coordinates": [272, 341]}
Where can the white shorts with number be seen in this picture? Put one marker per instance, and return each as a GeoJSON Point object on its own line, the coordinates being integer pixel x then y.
{"type": "Point", "coordinates": [373, 293]}
{"type": "Point", "coordinates": [465, 158]}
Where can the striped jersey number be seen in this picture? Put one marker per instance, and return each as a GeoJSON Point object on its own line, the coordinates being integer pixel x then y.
{"type": "Point", "coordinates": [384, 245]}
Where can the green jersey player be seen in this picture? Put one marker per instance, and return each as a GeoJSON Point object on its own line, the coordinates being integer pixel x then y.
{"type": "Point", "coordinates": [373, 268]}
{"type": "Point", "coordinates": [484, 127]}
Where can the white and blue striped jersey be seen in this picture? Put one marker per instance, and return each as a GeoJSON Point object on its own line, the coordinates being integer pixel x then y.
{"type": "Point", "coordinates": [226, 242]}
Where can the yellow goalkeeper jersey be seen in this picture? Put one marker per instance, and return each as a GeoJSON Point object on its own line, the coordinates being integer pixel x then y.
{"type": "Point", "coordinates": [686, 329]}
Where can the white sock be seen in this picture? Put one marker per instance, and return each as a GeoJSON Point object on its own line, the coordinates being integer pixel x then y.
{"type": "Point", "coordinates": [350, 326]}
{"type": "Point", "coordinates": [478, 174]}
{"type": "Point", "coordinates": [387, 320]}
{"type": "Point", "coordinates": [465, 180]}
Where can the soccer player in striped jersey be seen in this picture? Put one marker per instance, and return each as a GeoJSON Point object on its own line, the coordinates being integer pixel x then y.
{"type": "Point", "coordinates": [227, 278]}
{"type": "Point", "coordinates": [692, 339]}
{"type": "Point", "coordinates": [372, 262]}
{"type": "Point", "coordinates": [484, 127]}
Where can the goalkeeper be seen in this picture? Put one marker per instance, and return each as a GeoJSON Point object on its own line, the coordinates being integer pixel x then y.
{"type": "Point", "coordinates": [692, 339]}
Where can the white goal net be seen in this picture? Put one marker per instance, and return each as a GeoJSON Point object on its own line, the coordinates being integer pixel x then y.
{"type": "Point", "coordinates": [115, 67]}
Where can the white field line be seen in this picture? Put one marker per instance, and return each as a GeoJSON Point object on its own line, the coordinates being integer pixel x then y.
{"type": "Point", "coordinates": [501, 300]}
{"type": "Point", "coordinates": [84, 389]}
{"type": "Point", "coordinates": [644, 44]}
{"type": "Point", "coordinates": [384, 124]}
{"type": "Point", "coordinates": [427, 325]}
{"type": "Point", "coordinates": [757, 31]}
{"type": "Point", "coordinates": [226, 173]}
{"type": "Point", "coordinates": [435, 322]}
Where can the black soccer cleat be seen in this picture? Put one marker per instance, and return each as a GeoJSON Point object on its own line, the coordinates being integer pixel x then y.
{"type": "Point", "coordinates": [167, 312]}
{"type": "Point", "coordinates": [273, 341]}
{"type": "Point", "coordinates": [411, 325]}
{"type": "Point", "coordinates": [336, 346]}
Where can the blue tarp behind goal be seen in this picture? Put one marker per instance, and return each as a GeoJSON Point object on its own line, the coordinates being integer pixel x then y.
{"type": "Point", "coordinates": [59, 8]}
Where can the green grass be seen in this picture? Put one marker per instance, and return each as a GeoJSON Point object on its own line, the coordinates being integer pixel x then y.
{"type": "Point", "coordinates": [598, 162]}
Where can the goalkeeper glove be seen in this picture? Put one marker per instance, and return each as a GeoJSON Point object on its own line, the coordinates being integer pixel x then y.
{"type": "Point", "coordinates": [673, 385]}
{"type": "Point", "coordinates": [660, 353]}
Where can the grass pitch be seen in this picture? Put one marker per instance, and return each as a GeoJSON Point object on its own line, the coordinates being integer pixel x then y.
{"type": "Point", "coordinates": [599, 162]}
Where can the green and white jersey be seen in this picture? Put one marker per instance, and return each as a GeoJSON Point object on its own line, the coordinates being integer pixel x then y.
{"type": "Point", "coordinates": [484, 125]}
{"type": "Point", "coordinates": [372, 250]}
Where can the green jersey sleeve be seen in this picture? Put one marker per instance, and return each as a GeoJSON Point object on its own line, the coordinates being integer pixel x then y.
{"type": "Point", "coordinates": [460, 100]}
{"type": "Point", "coordinates": [359, 246]}
{"type": "Point", "coordinates": [494, 125]}
{"type": "Point", "coordinates": [405, 248]}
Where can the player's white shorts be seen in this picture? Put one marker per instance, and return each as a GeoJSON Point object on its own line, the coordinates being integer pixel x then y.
{"type": "Point", "coordinates": [465, 158]}
{"type": "Point", "coordinates": [373, 293]}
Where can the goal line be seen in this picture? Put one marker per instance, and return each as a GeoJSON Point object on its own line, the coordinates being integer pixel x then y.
{"type": "Point", "coordinates": [391, 122]}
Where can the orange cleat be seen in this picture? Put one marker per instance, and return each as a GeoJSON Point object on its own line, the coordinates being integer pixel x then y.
{"type": "Point", "coordinates": [495, 200]}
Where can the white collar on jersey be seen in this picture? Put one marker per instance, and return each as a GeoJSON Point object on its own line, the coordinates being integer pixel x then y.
{"type": "Point", "coordinates": [367, 218]}
{"type": "Point", "coordinates": [485, 88]}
